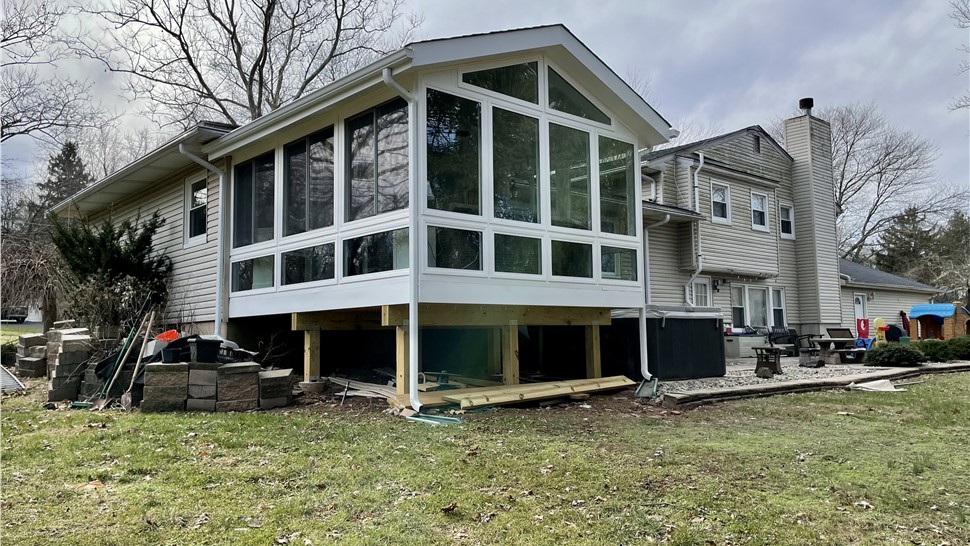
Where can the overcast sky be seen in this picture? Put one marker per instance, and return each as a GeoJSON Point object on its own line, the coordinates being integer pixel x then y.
{"type": "Point", "coordinates": [735, 63]}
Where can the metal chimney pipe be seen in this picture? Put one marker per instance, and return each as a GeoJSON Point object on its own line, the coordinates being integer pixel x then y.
{"type": "Point", "coordinates": [806, 105]}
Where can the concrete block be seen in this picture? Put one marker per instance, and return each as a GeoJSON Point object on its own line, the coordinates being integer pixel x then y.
{"type": "Point", "coordinates": [239, 367]}
{"type": "Point", "coordinates": [31, 367]}
{"type": "Point", "coordinates": [67, 391]}
{"type": "Point", "coordinates": [58, 382]}
{"type": "Point", "coordinates": [195, 404]}
{"type": "Point", "coordinates": [269, 403]}
{"type": "Point", "coordinates": [37, 351]}
{"type": "Point", "coordinates": [236, 405]}
{"type": "Point", "coordinates": [72, 357]}
{"type": "Point", "coordinates": [206, 366]}
{"type": "Point", "coordinates": [79, 344]}
{"type": "Point", "coordinates": [274, 391]}
{"type": "Point", "coordinates": [31, 340]}
{"type": "Point", "coordinates": [166, 368]}
{"type": "Point", "coordinates": [203, 377]}
{"type": "Point", "coordinates": [65, 370]}
{"type": "Point", "coordinates": [167, 379]}
{"type": "Point", "coordinates": [165, 393]}
{"type": "Point", "coordinates": [59, 334]}
{"type": "Point", "coordinates": [238, 391]}
{"type": "Point", "coordinates": [202, 391]}
{"type": "Point", "coordinates": [160, 406]}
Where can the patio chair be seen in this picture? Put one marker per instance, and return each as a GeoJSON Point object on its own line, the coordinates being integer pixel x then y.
{"type": "Point", "coordinates": [783, 338]}
{"type": "Point", "coordinates": [808, 351]}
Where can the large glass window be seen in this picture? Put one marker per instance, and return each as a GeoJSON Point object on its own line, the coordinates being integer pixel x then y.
{"type": "Point", "coordinates": [757, 306]}
{"type": "Point", "coordinates": [252, 274]}
{"type": "Point", "coordinates": [619, 263]}
{"type": "Point", "coordinates": [569, 176]}
{"type": "Point", "coordinates": [308, 264]}
{"type": "Point", "coordinates": [519, 80]}
{"type": "Point", "coordinates": [253, 189]}
{"type": "Point", "coordinates": [566, 98]}
{"type": "Point", "coordinates": [617, 187]}
{"type": "Point", "coordinates": [454, 248]}
{"type": "Point", "coordinates": [308, 183]}
{"type": "Point", "coordinates": [454, 148]}
{"type": "Point", "coordinates": [377, 179]}
{"type": "Point", "coordinates": [515, 140]}
{"type": "Point", "coordinates": [518, 254]}
{"type": "Point", "coordinates": [572, 259]}
{"type": "Point", "coordinates": [376, 252]}
{"type": "Point", "coordinates": [196, 207]}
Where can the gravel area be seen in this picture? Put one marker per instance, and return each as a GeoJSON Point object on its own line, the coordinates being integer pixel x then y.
{"type": "Point", "coordinates": [737, 376]}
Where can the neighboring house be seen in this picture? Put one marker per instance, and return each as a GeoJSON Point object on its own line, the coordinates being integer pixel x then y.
{"type": "Point", "coordinates": [491, 178]}
{"type": "Point", "coordinates": [870, 293]}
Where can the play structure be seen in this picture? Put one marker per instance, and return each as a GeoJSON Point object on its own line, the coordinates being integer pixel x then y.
{"type": "Point", "coordinates": [939, 321]}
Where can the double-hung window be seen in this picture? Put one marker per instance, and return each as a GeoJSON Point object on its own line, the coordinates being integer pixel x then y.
{"type": "Point", "coordinates": [720, 203]}
{"type": "Point", "coordinates": [759, 211]}
{"type": "Point", "coordinates": [786, 221]}
{"type": "Point", "coordinates": [196, 199]}
{"type": "Point", "coordinates": [701, 289]}
{"type": "Point", "coordinates": [778, 307]}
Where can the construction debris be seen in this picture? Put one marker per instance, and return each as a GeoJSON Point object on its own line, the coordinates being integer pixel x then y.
{"type": "Point", "coordinates": [9, 383]}
{"type": "Point", "coordinates": [32, 355]}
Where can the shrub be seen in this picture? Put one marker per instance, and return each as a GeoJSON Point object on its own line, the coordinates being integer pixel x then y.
{"type": "Point", "coordinates": [959, 348]}
{"type": "Point", "coordinates": [895, 354]}
{"type": "Point", "coordinates": [8, 353]}
{"type": "Point", "coordinates": [935, 350]}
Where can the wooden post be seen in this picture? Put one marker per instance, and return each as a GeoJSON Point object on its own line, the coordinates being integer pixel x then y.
{"type": "Point", "coordinates": [510, 353]}
{"type": "Point", "coordinates": [311, 355]}
{"type": "Point", "coordinates": [594, 365]}
{"type": "Point", "coordinates": [403, 352]}
{"type": "Point", "coordinates": [494, 351]}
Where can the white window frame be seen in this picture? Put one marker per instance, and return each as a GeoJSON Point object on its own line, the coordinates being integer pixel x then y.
{"type": "Point", "coordinates": [187, 240]}
{"type": "Point", "coordinates": [772, 308]}
{"type": "Point", "coordinates": [754, 226]}
{"type": "Point", "coordinates": [791, 220]}
{"type": "Point", "coordinates": [704, 284]}
{"type": "Point", "coordinates": [727, 203]}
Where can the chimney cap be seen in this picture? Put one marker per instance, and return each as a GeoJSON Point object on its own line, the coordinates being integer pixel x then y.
{"type": "Point", "coordinates": [806, 103]}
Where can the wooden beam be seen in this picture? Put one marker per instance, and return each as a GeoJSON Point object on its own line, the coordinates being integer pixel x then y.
{"type": "Point", "coordinates": [510, 354]}
{"type": "Point", "coordinates": [311, 355]}
{"type": "Point", "coordinates": [446, 314]}
{"type": "Point", "coordinates": [367, 318]}
{"type": "Point", "coordinates": [403, 353]}
{"type": "Point", "coordinates": [494, 351]}
{"type": "Point", "coordinates": [594, 364]}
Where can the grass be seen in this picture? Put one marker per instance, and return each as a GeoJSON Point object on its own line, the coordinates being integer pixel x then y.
{"type": "Point", "coordinates": [9, 331]}
{"type": "Point", "coordinates": [820, 468]}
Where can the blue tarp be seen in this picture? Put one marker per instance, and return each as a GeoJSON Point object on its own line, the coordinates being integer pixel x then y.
{"type": "Point", "coordinates": [941, 310]}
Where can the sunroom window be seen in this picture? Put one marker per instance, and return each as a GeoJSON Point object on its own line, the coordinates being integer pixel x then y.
{"type": "Point", "coordinates": [515, 254]}
{"type": "Point", "coordinates": [566, 98]}
{"type": "Point", "coordinates": [454, 149]}
{"type": "Point", "coordinates": [454, 248]}
{"type": "Point", "coordinates": [569, 176]}
{"type": "Point", "coordinates": [308, 183]}
{"type": "Point", "coordinates": [252, 274]}
{"type": "Point", "coordinates": [308, 264]}
{"type": "Point", "coordinates": [520, 81]}
{"type": "Point", "coordinates": [515, 165]}
{"type": "Point", "coordinates": [376, 252]}
{"type": "Point", "coordinates": [377, 154]}
{"type": "Point", "coordinates": [572, 259]}
{"type": "Point", "coordinates": [619, 263]}
{"type": "Point", "coordinates": [253, 188]}
{"type": "Point", "coordinates": [617, 187]}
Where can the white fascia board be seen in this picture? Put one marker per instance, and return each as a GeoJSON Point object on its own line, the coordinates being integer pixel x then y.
{"type": "Point", "coordinates": [308, 105]}
{"type": "Point", "coordinates": [889, 287]}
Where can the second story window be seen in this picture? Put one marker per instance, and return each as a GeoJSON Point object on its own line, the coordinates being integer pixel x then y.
{"type": "Point", "coordinates": [195, 207]}
{"type": "Point", "coordinates": [786, 221]}
{"type": "Point", "coordinates": [759, 211]}
{"type": "Point", "coordinates": [720, 203]}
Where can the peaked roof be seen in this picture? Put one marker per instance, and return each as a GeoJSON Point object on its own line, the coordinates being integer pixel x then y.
{"type": "Point", "coordinates": [863, 275]}
{"type": "Point", "coordinates": [714, 141]}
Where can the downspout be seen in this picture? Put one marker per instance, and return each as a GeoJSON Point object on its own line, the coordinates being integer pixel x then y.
{"type": "Point", "coordinates": [220, 234]}
{"type": "Point", "coordinates": [644, 361]}
{"type": "Point", "coordinates": [700, 256]}
{"type": "Point", "coordinates": [413, 237]}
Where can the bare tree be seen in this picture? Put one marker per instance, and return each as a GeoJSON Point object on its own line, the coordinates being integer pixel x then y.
{"type": "Point", "coordinates": [961, 18]}
{"type": "Point", "coordinates": [236, 61]}
{"type": "Point", "coordinates": [110, 146]}
{"type": "Point", "coordinates": [36, 100]}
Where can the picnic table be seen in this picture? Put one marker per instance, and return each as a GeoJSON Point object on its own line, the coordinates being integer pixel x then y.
{"type": "Point", "coordinates": [839, 350]}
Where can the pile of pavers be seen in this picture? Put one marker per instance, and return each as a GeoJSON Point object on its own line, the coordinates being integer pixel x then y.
{"type": "Point", "coordinates": [165, 387]}
{"type": "Point", "coordinates": [275, 388]}
{"type": "Point", "coordinates": [202, 386]}
{"type": "Point", "coordinates": [238, 387]}
{"type": "Point", "coordinates": [32, 355]}
{"type": "Point", "coordinates": [68, 352]}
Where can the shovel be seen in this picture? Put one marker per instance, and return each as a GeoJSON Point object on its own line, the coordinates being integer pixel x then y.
{"type": "Point", "coordinates": [126, 397]}
{"type": "Point", "coordinates": [103, 401]}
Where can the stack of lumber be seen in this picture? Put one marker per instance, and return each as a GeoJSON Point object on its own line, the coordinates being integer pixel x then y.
{"type": "Point", "coordinates": [512, 394]}
{"type": "Point", "coordinates": [360, 388]}
{"type": "Point", "coordinates": [275, 388]}
{"type": "Point", "coordinates": [68, 352]}
{"type": "Point", "coordinates": [203, 378]}
{"type": "Point", "coordinates": [165, 387]}
{"type": "Point", "coordinates": [237, 387]}
{"type": "Point", "coordinates": [32, 355]}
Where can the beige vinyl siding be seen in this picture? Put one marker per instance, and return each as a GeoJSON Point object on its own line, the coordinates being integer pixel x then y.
{"type": "Point", "coordinates": [797, 141]}
{"type": "Point", "coordinates": [666, 278]}
{"type": "Point", "coordinates": [738, 154]}
{"type": "Point", "coordinates": [826, 242]}
{"type": "Point", "coordinates": [886, 304]}
{"type": "Point", "coordinates": [193, 282]}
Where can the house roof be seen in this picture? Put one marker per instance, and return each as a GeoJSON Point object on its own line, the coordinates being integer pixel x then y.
{"type": "Point", "coordinates": [865, 276]}
{"type": "Point", "coordinates": [143, 172]}
{"type": "Point", "coordinates": [677, 214]}
{"type": "Point", "coordinates": [714, 141]}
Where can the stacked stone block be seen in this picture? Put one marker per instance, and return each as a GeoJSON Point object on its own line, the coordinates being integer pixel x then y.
{"type": "Point", "coordinates": [32, 355]}
{"type": "Point", "coordinates": [275, 388]}
{"type": "Point", "coordinates": [165, 387]}
{"type": "Point", "coordinates": [203, 381]}
{"type": "Point", "coordinates": [68, 352]}
{"type": "Point", "coordinates": [237, 387]}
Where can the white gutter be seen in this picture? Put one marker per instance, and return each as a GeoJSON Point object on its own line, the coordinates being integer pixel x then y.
{"type": "Point", "coordinates": [644, 363]}
{"type": "Point", "coordinates": [220, 236]}
{"type": "Point", "coordinates": [688, 299]}
{"type": "Point", "coordinates": [414, 236]}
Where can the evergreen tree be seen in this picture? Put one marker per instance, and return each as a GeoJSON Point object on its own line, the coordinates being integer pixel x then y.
{"type": "Point", "coordinates": [66, 175]}
{"type": "Point", "coordinates": [909, 247]}
{"type": "Point", "coordinates": [954, 247]}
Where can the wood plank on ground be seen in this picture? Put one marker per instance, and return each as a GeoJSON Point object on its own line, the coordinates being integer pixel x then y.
{"type": "Point", "coordinates": [538, 391]}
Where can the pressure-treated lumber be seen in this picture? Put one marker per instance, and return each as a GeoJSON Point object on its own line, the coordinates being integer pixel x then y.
{"type": "Point", "coordinates": [536, 391]}
{"type": "Point", "coordinates": [365, 318]}
{"type": "Point", "coordinates": [311, 355]}
{"type": "Point", "coordinates": [403, 355]}
{"type": "Point", "coordinates": [594, 364]}
{"type": "Point", "coordinates": [510, 354]}
{"type": "Point", "coordinates": [383, 390]}
{"type": "Point", "coordinates": [445, 314]}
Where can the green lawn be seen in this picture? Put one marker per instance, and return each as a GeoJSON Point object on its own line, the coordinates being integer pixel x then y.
{"type": "Point", "coordinates": [9, 331]}
{"type": "Point", "coordinates": [822, 468]}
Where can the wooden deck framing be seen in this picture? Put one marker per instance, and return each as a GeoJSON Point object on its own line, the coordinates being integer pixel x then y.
{"type": "Point", "coordinates": [503, 322]}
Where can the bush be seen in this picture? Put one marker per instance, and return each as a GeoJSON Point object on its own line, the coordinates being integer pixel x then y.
{"type": "Point", "coordinates": [895, 354]}
{"type": "Point", "coordinates": [8, 353]}
{"type": "Point", "coordinates": [935, 350]}
{"type": "Point", "coordinates": [959, 348]}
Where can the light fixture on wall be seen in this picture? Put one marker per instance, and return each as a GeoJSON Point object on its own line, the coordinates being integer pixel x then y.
{"type": "Point", "coordinates": [717, 283]}
{"type": "Point", "coordinates": [870, 296]}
